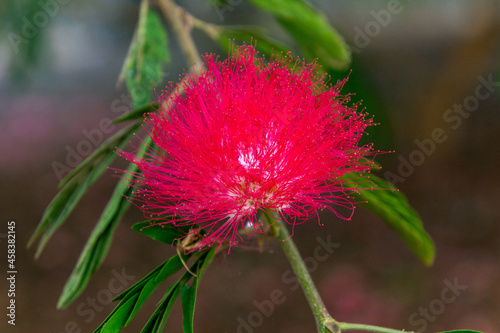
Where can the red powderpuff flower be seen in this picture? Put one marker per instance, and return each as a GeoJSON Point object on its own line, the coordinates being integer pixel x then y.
{"type": "Point", "coordinates": [247, 136]}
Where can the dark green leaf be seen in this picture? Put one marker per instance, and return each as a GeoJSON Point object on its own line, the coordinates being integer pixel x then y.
{"type": "Point", "coordinates": [117, 320]}
{"type": "Point", "coordinates": [393, 207]}
{"type": "Point", "coordinates": [58, 210]}
{"type": "Point", "coordinates": [165, 233]}
{"type": "Point", "coordinates": [75, 185]}
{"type": "Point", "coordinates": [118, 140]}
{"type": "Point", "coordinates": [97, 246]}
{"type": "Point", "coordinates": [251, 34]}
{"type": "Point", "coordinates": [311, 30]}
{"type": "Point", "coordinates": [188, 298]}
{"type": "Point", "coordinates": [137, 113]}
{"type": "Point", "coordinates": [158, 320]}
{"type": "Point", "coordinates": [65, 201]}
{"type": "Point", "coordinates": [133, 298]}
{"type": "Point", "coordinates": [159, 317]}
{"type": "Point", "coordinates": [188, 294]}
{"type": "Point", "coordinates": [148, 53]}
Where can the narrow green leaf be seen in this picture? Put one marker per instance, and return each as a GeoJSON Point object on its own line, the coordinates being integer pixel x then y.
{"type": "Point", "coordinates": [165, 233]}
{"type": "Point", "coordinates": [117, 321]}
{"type": "Point", "coordinates": [148, 53]}
{"type": "Point", "coordinates": [133, 298]}
{"type": "Point", "coordinates": [159, 318]}
{"type": "Point", "coordinates": [188, 294]}
{"type": "Point", "coordinates": [97, 246]}
{"type": "Point", "coordinates": [76, 185]}
{"type": "Point", "coordinates": [57, 211]}
{"type": "Point", "coordinates": [311, 30]}
{"type": "Point", "coordinates": [188, 298]}
{"type": "Point", "coordinates": [137, 113]}
{"type": "Point", "coordinates": [393, 207]}
{"type": "Point", "coordinates": [64, 203]}
{"type": "Point", "coordinates": [108, 147]}
{"type": "Point", "coordinates": [158, 275]}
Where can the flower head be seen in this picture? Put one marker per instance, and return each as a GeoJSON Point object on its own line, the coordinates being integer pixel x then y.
{"type": "Point", "coordinates": [246, 136]}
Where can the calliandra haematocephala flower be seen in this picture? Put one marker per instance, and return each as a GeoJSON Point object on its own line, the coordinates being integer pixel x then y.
{"type": "Point", "coordinates": [246, 136]}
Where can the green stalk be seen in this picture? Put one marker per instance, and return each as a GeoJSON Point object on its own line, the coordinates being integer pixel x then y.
{"type": "Point", "coordinates": [369, 328]}
{"type": "Point", "coordinates": [324, 321]}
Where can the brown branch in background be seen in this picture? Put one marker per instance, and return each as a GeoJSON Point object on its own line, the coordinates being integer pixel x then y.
{"type": "Point", "coordinates": [211, 30]}
{"type": "Point", "coordinates": [181, 22]}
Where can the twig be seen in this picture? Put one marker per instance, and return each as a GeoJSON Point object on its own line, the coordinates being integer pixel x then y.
{"type": "Point", "coordinates": [182, 23]}
{"type": "Point", "coordinates": [212, 30]}
{"type": "Point", "coordinates": [324, 322]}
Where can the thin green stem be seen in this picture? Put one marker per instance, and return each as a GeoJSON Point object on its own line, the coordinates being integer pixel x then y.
{"type": "Point", "coordinates": [369, 328]}
{"type": "Point", "coordinates": [324, 322]}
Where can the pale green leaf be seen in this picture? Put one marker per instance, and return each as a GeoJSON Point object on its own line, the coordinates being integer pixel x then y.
{"type": "Point", "coordinates": [147, 55]}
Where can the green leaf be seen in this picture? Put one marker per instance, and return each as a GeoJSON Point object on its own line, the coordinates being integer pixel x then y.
{"type": "Point", "coordinates": [63, 204]}
{"type": "Point", "coordinates": [188, 298]}
{"type": "Point", "coordinates": [251, 34]}
{"type": "Point", "coordinates": [311, 30]}
{"type": "Point", "coordinates": [188, 294]}
{"type": "Point", "coordinates": [165, 233]}
{"type": "Point", "coordinates": [137, 113]}
{"type": "Point", "coordinates": [159, 318]}
{"type": "Point", "coordinates": [148, 53]}
{"type": "Point", "coordinates": [117, 321]}
{"type": "Point", "coordinates": [393, 207]}
{"type": "Point", "coordinates": [97, 245]}
{"type": "Point", "coordinates": [75, 185]}
{"type": "Point", "coordinates": [59, 209]}
{"type": "Point", "coordinates": [134, 297]}
{"type": "Point", "coordinates": [108, 147]}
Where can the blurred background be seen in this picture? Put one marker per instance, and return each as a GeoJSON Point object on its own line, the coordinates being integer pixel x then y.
{"type": "Point", "coordinates": [428, 74]}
